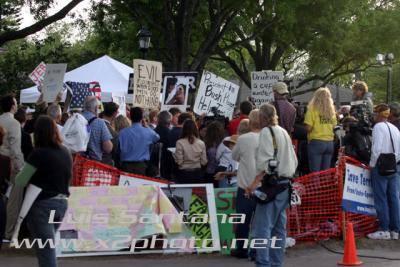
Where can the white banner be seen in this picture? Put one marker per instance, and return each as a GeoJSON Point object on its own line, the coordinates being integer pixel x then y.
{"type": "Point", "coordinates": [53, 81]}
{"type": "Point", "coordinates": [358, 196]}
{"type": "Point", "coordinates": [147, 83]}
{"type": "Point", "coordinates": [261, 86]}
{"type": "Point", "coordinates": [216, 93]}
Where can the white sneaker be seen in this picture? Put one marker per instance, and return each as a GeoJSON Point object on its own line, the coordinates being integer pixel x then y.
{"type": "Point", "coordinates": [394, 235]}
{"type": "Point", "coordinates": [380, 235]}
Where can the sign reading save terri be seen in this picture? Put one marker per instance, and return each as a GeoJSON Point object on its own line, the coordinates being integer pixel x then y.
{"type": "Point", "coordinates": [261, 86]}
{"type": "Point", "coordinates": [215, 94]}
{"type": "Point", "coordinates": [357, 193]}
{"type": "Point", "coordinates": [147, 83]}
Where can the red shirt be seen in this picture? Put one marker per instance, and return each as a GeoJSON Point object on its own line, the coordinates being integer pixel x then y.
{"type": "Point", "coordinates": [233, 124]}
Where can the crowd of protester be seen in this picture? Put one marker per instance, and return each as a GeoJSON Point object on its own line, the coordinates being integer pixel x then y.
{"type": "Point", "coordinates": [183, 148]}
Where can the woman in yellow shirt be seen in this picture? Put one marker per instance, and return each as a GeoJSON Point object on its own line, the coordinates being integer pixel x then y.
{"type": "Point", "coordinates": [320, 121]}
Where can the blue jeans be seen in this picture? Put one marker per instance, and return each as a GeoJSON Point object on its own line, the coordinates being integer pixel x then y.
{"type": "Point", "coordinates": [37, 222]}
{"type": "Point", "coordinates": [243, 206]}
{"type": "Point", "coordinates": [270, 221]}
{"type": "Point", "coordinates": [320, 155]}
{"type": "Point", "coordinates": [386, 199]}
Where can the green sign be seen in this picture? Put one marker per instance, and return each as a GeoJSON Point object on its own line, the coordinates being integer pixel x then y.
{"type": "Point", "coordinates": [225, 201]}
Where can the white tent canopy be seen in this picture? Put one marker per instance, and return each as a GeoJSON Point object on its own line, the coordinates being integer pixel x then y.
{"type": "Point", "coordinates": [112, 75]}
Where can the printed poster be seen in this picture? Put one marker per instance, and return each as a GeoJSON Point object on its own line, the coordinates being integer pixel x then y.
{"type": "Point", "coordinates": [53, 81]}
{"type": "Point", "coordinates": [176, 88]}
{"type": "Point", "coordinates": [358, 196]}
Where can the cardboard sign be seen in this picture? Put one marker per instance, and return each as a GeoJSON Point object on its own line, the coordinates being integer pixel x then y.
{"type": "Point", "coordinates": [37, 75]}
{"type": "Point", "coordinates": [53, 81]}
{"type": "Point", "coordinates": [358, 196]}
{"type": "Point", "coordinates": [261, 86]}
{"type": "Point", "coordinates": [176, 87]}
{"type": "Point", "coordinates": [216, 96]}
{"type": "Point", "coordinates": [147, 83]}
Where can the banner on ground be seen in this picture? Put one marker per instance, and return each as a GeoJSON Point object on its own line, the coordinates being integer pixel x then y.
{"type": "Point", "coordinates": [147, 83]}
{"type": "Point", "coordinates": [53, 81]}
{"type": "Point", "coordinates": [225, 201]}
{"type": "Point", "coordinates": [261, 86]}
{"type": "Point", "coordinates": [176, 87]}
{"type": "Point", "coordinates": [358, 196]}
{"type": "Point", "coordinates": [216, 96]}
{"type": "Point", "coordinates": [117, 220]}
{"type": "Point", "coordinates": [37, 75]}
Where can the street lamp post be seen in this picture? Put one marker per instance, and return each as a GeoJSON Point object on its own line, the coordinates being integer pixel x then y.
{"type": "Point", "coordinates": [144, 37]}
{"type": "Point", "coordinates": [387, 59]}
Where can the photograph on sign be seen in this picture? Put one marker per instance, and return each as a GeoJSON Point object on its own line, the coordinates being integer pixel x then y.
{"type": "Point", "coordinates": [261, 86]}
{"type": "Point", "coordinates": [147, 83]}
{"type": "Point", "coordinates": [53, 81]}
{"type": "Point", "coordinates": [216, 96]}
{"type": "Point", "coordinates": [176, 87]}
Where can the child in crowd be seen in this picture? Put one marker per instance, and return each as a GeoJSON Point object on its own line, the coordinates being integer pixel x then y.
{"type": "Point", "coordinates": [227, 167]}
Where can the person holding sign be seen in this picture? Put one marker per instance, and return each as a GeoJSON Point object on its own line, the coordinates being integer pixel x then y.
{"type": "Point", "coordinates": [48, 167]}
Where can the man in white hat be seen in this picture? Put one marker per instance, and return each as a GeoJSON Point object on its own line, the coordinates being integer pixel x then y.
{"type": "Point", "coordinates": [285, 110]}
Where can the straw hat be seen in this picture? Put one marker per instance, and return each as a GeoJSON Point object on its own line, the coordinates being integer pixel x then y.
{"type": "Point", "coordinates": [230, 139]}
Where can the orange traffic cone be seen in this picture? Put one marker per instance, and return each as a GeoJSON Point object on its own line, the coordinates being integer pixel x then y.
{"type": "Point", "coordinates": [350, 251]}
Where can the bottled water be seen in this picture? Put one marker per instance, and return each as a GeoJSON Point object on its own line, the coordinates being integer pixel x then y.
{"type": "Point", "coordinates": [260, 195]}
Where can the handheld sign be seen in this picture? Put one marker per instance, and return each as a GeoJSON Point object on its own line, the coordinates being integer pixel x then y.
{"type": "Point", "coordinates": [261, 86]}
{"type": "Point", "coordinates": [215, 94]}
{"type": "Point", "coordinates": [176, 87]}
{"type": "Point", "coordinates": [37, 75]}
{"type": "Point", "coordinates": [147, 83]}
{"type": "Point", "coordinates": [53, 81]}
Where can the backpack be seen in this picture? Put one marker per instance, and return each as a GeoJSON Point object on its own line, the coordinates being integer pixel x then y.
{"type": "Point", "coordinates": [76, 133]}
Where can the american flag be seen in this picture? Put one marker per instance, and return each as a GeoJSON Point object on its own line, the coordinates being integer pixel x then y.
{"type": "Point", "coordinates": [79, 92]}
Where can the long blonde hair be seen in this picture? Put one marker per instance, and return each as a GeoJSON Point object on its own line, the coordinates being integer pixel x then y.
{"type": "Point", "coordinates": [323, 103]}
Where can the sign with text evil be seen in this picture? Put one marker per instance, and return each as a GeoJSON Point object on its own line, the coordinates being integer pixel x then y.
{"type": "Point", "coordinates": [147, 83]}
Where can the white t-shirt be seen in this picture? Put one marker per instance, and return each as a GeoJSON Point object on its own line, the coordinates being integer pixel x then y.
{"type": "Point", "coordinates": [224, 158]}
{"type": "Point", "coordinates": [381, 141]}
{"type": "Point", "coordinates": [245, 152]}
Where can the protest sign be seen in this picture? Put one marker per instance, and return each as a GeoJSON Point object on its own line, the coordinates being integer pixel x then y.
{"type": "Point", "coordinates": [130, 84]}
{"type": "Point", "coordinates": [216, 96]}
{"type": "Point", "coordinates": [358, 196]}
{"type": "Point", "coordinates": [176, 87]}
{"type": "Point", "coordinates": [53, 81]}
{"type": "Point", "coordinates": [225, 201]}
{"type": "Point", "coordinates": [261, 86]}
{"type": "Point", "coordinates": [121, 101]}
{"type": "Point", "coordinates": [117, 220]}
{"type": "Point", "coordinates": [147, 83]}
{"type": "Point", "coordinates": [136, 181]}
{"type": "Point", "coordinates": [37, 75]}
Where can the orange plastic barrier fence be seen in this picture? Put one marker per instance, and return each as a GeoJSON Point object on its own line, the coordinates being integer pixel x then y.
{"type": "Point", "coordinates": [319, 216]}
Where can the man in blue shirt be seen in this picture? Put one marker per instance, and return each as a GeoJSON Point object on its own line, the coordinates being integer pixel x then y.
{"type": "Point", "coordinates": [100, 136]}
{"type": "Point", "coordinates": [134, 144]}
